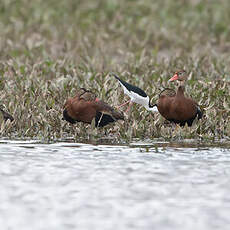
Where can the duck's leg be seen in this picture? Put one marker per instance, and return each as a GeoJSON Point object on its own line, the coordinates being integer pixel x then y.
{"type": "Point", "coordinates": [119, 106]}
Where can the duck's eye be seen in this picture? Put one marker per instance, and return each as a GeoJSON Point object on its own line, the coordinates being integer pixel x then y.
{"type": "Point", "coordinates": [180, 73]}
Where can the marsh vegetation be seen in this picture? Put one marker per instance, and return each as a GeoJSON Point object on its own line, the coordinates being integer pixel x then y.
{"type": "Point", "coordinates": [48, 49]}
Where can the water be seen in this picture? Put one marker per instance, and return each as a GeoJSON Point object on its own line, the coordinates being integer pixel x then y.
{"type": "Point", "coordinates": [140, 186]}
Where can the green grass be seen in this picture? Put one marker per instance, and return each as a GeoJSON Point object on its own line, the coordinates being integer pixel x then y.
{"type": "Point", "coordinates": [48, 49]}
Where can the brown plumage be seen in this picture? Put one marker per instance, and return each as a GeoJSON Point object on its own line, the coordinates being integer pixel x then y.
{"type": "Point", "coordinates": [6, 116]}
{"type": "Point", "coordinates": [177, 108]}
{"type": "Point", "coordinates": [85, 106]}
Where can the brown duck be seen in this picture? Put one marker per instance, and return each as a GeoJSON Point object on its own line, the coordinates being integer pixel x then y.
{"type": "Point", "coordinates": [177, 108]}
{"type": "Point", "coordinates": [85, 106]}
{"type": "Point", "coordinates": [6, 115]}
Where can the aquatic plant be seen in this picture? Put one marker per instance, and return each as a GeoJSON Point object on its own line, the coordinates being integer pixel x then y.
{"type": "Point", "coordinates": [48, 50]}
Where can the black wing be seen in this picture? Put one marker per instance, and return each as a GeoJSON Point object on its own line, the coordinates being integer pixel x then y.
{"type": "Point", "coordinates": [130, 87]}
{"type": "Point", "coordinates": [103, 119]}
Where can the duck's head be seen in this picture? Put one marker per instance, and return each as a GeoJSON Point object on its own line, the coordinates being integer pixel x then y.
{"type": "Point", "coordinates": [179, 76]}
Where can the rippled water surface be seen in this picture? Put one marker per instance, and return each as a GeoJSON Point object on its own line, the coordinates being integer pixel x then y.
{"type": "Point", "coordinates": [138, 186]}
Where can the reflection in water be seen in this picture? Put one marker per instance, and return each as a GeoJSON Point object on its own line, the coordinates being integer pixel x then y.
{"type": "Point", "coordinates": [102, 186]}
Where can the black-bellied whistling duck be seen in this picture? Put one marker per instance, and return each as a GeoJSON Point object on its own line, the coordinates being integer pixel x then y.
{"type": "Point", "coordinates": [85, 106]}
{"type": "Point", "coordinates": [6, 116]}
{"type": "Point", "coordinates": [177, 108]}
{"type": "Point", "coordinates": [136, 95]}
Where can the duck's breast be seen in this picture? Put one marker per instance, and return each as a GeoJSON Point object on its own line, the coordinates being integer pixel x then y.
{"type": "Point", "coordinates": [183, 109]}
